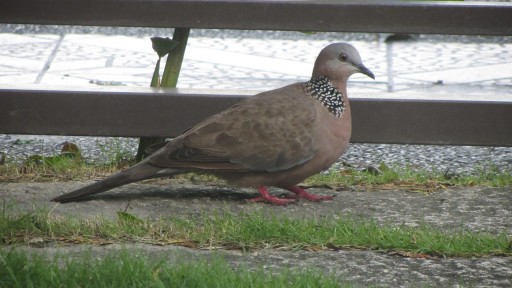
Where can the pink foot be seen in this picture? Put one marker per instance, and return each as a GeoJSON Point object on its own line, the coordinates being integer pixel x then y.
{"type": "Point", "coordinates": [266, 197]}
{"type": "Point", "coordinates": [301, 193]}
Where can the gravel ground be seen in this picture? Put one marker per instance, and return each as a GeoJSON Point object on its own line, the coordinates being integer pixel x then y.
{"type": "Point", "coordinates": [457, 159]}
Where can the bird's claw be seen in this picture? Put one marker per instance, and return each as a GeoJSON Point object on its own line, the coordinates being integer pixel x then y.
{"type": "Point", "coordinates": [301, 193]}
{"type": "Point", "coordinates": [266, 197]}
{"type": "Point", "coordinates": [272, 200]}
{"type": "Point", "coordinates": [289, 198]}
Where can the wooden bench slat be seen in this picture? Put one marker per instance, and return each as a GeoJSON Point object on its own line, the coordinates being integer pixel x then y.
{"type": "Point", "coordinates": [157, 112]}
{"type": "Point", "coordinates": [468, 18]}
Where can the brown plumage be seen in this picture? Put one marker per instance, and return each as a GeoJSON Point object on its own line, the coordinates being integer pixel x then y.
{"type": "Point", "coordinates": [275, 138]}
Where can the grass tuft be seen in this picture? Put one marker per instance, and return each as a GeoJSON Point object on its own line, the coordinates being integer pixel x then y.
{"type": "Point", "coordinates": [69, 165]}
{"type": "Point", "coordinates": [126, 269]}
{"type": "Point", "coordinates": [408, 179]}
{"type": "Point", "coordinates": [255, 230]}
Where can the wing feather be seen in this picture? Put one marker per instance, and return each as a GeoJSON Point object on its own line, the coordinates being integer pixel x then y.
{"type": "Point", "coordinates": [271, 131]}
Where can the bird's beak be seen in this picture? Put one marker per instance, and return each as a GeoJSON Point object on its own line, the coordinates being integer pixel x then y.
{"type": "Point", "coordinates": [362, 69]}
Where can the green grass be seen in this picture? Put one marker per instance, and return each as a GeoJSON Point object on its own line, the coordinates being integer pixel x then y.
{"type": "Point", "coordinates": [65, 168]}
{"type": "Point", "coordinates": [69, 165]}
{"type": "Point", "coordinates": [17, 269]}
{"type": "Point", "coordinates": [66, 165]}
{"type": "Point", "coordinates": [255, 230]}
{"type": "Point", "coordinates": [410, 179]}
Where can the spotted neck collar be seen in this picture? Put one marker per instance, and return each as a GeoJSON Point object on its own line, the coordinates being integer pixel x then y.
{"type": "Point", "coordinates": [323, 90]}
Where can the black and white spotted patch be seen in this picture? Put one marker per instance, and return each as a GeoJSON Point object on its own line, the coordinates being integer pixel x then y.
{"type": "Point", "coordinates": [324, 91]}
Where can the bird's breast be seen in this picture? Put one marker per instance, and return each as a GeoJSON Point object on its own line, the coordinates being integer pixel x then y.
{"type": "Point", "coordinates": [332, 136]}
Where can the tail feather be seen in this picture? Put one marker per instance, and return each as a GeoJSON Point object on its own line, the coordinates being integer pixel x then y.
{"type": "Point", "coordinates": [130, 175]}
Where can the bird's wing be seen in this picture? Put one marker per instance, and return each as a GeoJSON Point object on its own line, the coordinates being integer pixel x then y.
{"type": "Point", "coordinates": [271, 131]}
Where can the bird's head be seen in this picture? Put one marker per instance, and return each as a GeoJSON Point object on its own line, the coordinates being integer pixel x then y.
{"type": "Point", "coordinates": [338, 61]}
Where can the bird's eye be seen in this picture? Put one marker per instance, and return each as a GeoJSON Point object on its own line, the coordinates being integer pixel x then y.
{"type": "Point", "coordinates": [343, 57]}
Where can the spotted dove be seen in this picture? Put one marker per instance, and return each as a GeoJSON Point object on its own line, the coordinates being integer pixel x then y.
{"type": "Point", "coordinates": [275, 138]}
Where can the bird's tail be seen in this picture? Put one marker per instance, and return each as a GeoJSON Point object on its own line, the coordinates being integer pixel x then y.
{"type": "Point", "coordinates": [133, 174]}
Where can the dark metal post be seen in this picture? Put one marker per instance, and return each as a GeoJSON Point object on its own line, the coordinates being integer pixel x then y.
{"type": "Point", "coordinates": [169, 80]}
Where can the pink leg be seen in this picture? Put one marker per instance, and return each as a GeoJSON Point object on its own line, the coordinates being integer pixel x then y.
{"type": "Point", "coordinates": [266, 197]}
{"type": "Point", "coordinates": [301, 193]}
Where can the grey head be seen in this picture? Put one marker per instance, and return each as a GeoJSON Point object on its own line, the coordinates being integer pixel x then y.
{"type": "Point", "coordinates": [338, 61]}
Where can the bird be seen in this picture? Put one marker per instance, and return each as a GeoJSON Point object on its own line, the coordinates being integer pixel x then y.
{"type": "Point", "coordinates": [275, 138]}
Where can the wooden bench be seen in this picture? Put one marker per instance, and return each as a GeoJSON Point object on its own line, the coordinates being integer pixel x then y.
{"type": "Point", "coordinates": [121, 111]}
